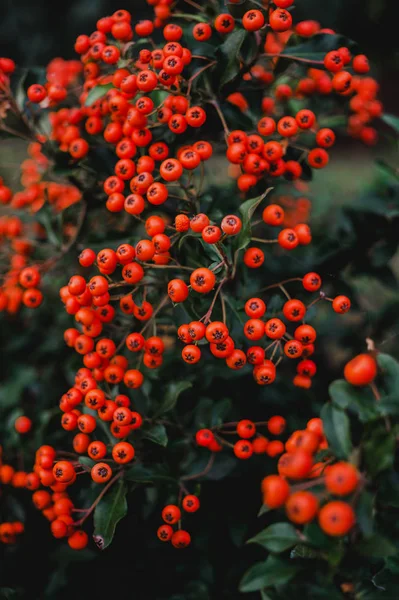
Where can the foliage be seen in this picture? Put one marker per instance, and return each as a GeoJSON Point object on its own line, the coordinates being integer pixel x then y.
{"type": "Point", "coordinates": [354, 216]}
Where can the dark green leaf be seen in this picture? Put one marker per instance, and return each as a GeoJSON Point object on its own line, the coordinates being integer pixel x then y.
{"type": "Point", "coordinates": [229, 53]}
{"type": "Point", "coordinates": [379, 450]}
{"type": "Point", "coordinates": [97, 92]}
{"type": "Point", "coordinates": [238, 9]}
{"type": "Point", "coordinates": [247, 210]}
{"type": "Point", "coordinates": [277, 537]}
{"type": "Point", "coordinates": [175, 388]}
{"type": "Point", "coordinates": [317, 47]}
{"type": "Point", "coordinates": [390, 372]}
{"type": "Point", "coordinates": [156, 433]}
{"type": "Point", "coordinates": [86, 461]}
{"type": "Point", "coordinates": [273, 571]}
{"type": "Point", "coordinates": [392, 121]}
{"type": "Point", "coordinates": [337, 430]}
{"type": "Point", "coordinates": [302, 551]}
{"type": "Point", "coordinates": [109, 511]}
{"type": "Point", "coordinates": [376, 546]}
{"type": "Point", "coordinates": [219, 412]}
{"type": "Point", "coordinates": [140, 474]}
{"type": "Point", "coordinates": [344, 395]}
{"type": "Point", "coordinates": [364, 513]}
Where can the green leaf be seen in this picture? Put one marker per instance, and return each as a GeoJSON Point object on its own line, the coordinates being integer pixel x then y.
{"type": "Point", "coordinates": [379, 450]}
{"type": "Point", "coordinates": [392, 121]}
{"type": "Point", "coordinates": [377, 546]}
{"type": "Point", "coordinates": [344, 395]}
{"type": "Point", "coordinates": [276, 538]}
{"type": "Point", "coordinates": [364, 513]}
{"type": "Point", "coordinates": [157, 434]}
{"type": "Point", "coordinates": [86, 461]}
{"type": "Point", "coordinates": [140, 474]}
{"type": "Point", "coordinates": [302, 551]}
{"type": "Point", "coordinates": [97, 92]}
{"type": "Point", "coordinates": [109, 511]}
{"type": "Point", "coordinates": [229, 53]}
{"type": "Point", "coordinates": [238, 9]}
{"type": "Point", "coordinates": [247, 210]}
{"type": "Point", "coordinates": [390, 372]}
{"type": "Point", "coordinates": [175, 388]}
{"type": "Point", "coordinates": [219, 412]}
{"type": "Point", "coordinates": [273, 571]}
{"type": "Point", "coordinates": [337, 430]}
{"type": "Point", "coordinates": [12, 389]}
{"type": "Point", "coordinates": [317, 47]}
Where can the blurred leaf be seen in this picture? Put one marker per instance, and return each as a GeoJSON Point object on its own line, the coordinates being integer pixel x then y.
{"type": "Point", "coordinates": [229, 56]}
{"type": "Point", "coordinates": [317, 47]}
{"type": "Point", "coordinates": [141, 474]}
{"type": "Point", "coordinates": [344, 395]}
{"type": "Point", "coordinates": [376, 546]}
{"type": "Point", "coordinates": [11, 391]}
{"type": "Point", "coordinates": [392, 121]}
{"type": "Point", "coordinates": [97, 92]}
{"type": "Point", "coordinates": [302, 551]}
{"type": "Point", "coordinates": [277, 537]}
{"type": "Point", "coordinates": [390, 372]}
{"type": "Point", "coordinates": [156, 433]}
{"type": "Point", "coordinates": [364, 513]}
{"type": "Point", "coordinates": [219, 411]}
{"type": "Point", "coordinates": [174, 389]}
{"type": "Point", "coordinates": [337, 431]}
{"type": "Point", "coordinates": [379, 450]}
{"type": "Point", "coordinates": [247, 210]}
{"type": "Point", "coordinates": [108, 512]}
{"type": "Point", "coordinates": [273, 571]}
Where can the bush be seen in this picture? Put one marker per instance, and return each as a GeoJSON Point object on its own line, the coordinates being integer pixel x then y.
{"type": "Point", "coordinates": [187, 318]}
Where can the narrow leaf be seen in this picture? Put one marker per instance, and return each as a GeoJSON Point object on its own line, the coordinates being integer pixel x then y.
{"type": "Point", "coordinates": [157, 434]}
{"type": "Point", "coordinates": [175, 389]}
{"type": "Point", "coordinates": [337, 430]}
{"type": "Point", "coordinates": [247, 210]}
{"type": "Point", "coordinates": [110, 510]}
{"type": "Point", "coordinates": [277, 537]}
{"type": "Point", "coordinates": [273, 571]}
{"type": "Point", "coordinates": [97, 92]}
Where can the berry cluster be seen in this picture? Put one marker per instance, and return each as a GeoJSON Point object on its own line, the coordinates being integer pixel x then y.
{"type": "Point", "coordinates": [335, 517]}
{"type": "Point", "coordinates": [250, 442]}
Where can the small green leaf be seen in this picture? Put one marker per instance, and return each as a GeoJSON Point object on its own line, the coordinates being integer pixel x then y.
{"type": "Point", "coordinates": [229, 53]}
{"type": "Point", "coordinates": [140, 474]}
{"type": "Point", "coordinates": [172, 395]}
{"type": "Point", "coordinates": [390, 373]}
{"type": "Point", "coordinates": [379, 450]}
{"type": "Point", "coordinates": [109, 511]}
{"type": "Point", "coordinates": [97, 92]}
{"type": "Point", "coordinates": [276, 538]}
{"type": "Point", "coordinates": [392, 121]}
{"type": "Point", "coordinates": [86, 461]}
{"type": "Point", "coordinates": [364, 513]}
{"type": "Point", "coordinates": [247, 210]}
{"type": "Point", "coordinates": [157, 434]}
{"type": "Point", "coordinates": [316, 48]}
{"type": "Point", "coordinates": [337, 430]}
{"type": "Point", "coordinates": [344, 395]}
{"type": "Point", "coordinates": [219, 412]}
{"type": "Point", "coordinates": [273, 571]}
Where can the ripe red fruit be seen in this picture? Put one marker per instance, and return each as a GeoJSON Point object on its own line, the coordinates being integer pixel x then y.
{"type": "Point", "coordinates": [361, 370]}
{"type": "Point", "coordinates": [336, 518]}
